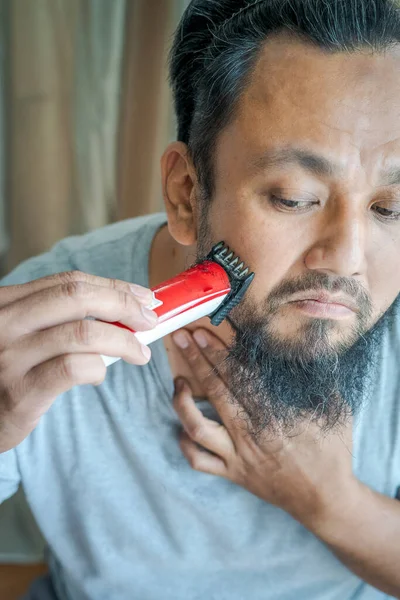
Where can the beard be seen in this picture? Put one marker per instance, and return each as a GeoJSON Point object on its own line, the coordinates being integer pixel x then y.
{"type": "Point", "coordinates": [276, 383]}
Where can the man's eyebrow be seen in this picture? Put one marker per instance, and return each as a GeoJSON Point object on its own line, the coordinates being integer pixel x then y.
{"type": "Point", "coordinates": [315, 164]}
{"type": "Point", "coordinates": [392, 176]}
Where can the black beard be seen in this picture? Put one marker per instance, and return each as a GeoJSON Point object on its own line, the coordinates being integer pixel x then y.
{"type": "Point", "coordinates": [277, 383]}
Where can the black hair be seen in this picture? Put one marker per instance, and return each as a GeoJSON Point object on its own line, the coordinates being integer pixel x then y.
{"type": "Point", "coordinates": [217, 44]}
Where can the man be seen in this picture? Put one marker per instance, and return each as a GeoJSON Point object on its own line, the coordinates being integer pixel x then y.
{"type": "Point", "coordinates": [284, 481]}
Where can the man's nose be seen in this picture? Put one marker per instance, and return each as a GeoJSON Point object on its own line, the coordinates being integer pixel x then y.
{"type": "Point", "coordinates": [340, 245]}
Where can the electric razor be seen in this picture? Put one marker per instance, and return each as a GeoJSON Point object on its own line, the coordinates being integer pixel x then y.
{"type": "Point", "coordinates": [211, 288]}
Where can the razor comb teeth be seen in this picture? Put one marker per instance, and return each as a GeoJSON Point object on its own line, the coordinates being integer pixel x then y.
{"type": "Point", "coordinates": [227, 258]}
{"type": "Point", "coordinates": [240, 279]}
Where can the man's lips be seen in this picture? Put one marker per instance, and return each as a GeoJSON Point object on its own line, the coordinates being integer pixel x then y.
{"type": "Point", "coordinates": [324, 304]}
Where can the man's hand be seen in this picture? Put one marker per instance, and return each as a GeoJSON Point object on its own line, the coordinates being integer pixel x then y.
{"type": "Point", "coordinates": [301, 472]}
{"type": "Point", "coordinates": [308, 473]}
{"type": "Point", "coordinates": [47, 344]}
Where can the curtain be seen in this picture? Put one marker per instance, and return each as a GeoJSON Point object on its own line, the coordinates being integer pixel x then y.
{"type": "Point", "coordinates": [147, 124]}
{"type": "Point", "coordinates": [96, 103]}
{"type": "Point", "coordinates": [65, 66]}
{"type": "Point", "coordinates": [3, 34]}
{"type": "Point", "coordinates": [89, 112]}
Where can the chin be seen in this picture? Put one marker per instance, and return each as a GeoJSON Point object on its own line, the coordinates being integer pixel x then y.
{"type": "Point", "coordinates": [292, 328]}
{"type": "Point", "coordinates": [311, 339]}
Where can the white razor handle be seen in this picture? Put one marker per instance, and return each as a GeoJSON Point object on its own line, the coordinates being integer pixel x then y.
{"type": "Point", "coordinates": [172, 324]}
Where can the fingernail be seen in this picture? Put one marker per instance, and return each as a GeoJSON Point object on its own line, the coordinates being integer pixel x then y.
{"type": "Point", "coordinates": [149, 315]}
{"type": "Point", "coordinates": [146, 351]}
{"type": "Point", "coordinates": [201, 339]}
{"type": "Point", "coordinates": [179, 385]}
{"type": "Point", "coordinates": [142, 293]}
{"type": "Point", "coordinates": [181, 339]}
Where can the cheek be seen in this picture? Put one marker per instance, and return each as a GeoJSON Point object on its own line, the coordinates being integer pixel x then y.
{"type": "Point", "coordinates": [384, 275]}
{"type": "Point", "coordinates": [272, 251]}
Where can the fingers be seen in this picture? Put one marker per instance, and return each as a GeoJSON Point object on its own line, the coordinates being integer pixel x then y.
{"type": "Point", "coordinates": [201, 366]}
{"type": "Point", "coordinates": [80, 337]}
{"type": "Point", "coordinates": [212, 346]}
{"type": "Point", "coordinates": [73, 301]}
{"type": "Point", "coordinates": [201, 460]}
{"type": "Point", "coordinates": [207, 433]}
{"type": "Point", "coordinates": [55, 377]}
{"type": "Point", "coordinates": [48, 345]}
{"type": "Point", "coordinates": [204, 371]}
{"type": "Point", "coordinates": [29, 397]}
{"type": "Point", "coordinates": [13, 293]}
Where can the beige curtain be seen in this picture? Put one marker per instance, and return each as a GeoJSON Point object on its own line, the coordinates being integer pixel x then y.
{"type": "Point", "coordinates": [3, 44]}
{"type": "Point", "coordinates": [146, 111]}
{"type": "Point", "coordinates": [90, 113]}
{"type": "Point", "coordinates": [65, 59]}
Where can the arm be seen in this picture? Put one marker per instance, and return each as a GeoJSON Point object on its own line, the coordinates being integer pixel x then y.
{"type": "Point", "coordinates": [363, 530]}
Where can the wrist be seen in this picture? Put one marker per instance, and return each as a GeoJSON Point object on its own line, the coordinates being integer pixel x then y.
{"type": "Point", "coordinates": [336, 509]}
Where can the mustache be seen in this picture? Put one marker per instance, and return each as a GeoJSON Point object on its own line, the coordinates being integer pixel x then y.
{"type": "Point", "coordinates": [315, 281]}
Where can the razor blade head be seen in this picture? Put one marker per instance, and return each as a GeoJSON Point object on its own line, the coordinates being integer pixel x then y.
{"type": "Point", "coordinates": [239, 276]}
{"type": "Point", "coordinates": [228, 259]}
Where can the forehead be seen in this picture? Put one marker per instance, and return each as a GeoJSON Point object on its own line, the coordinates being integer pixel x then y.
{"type": "Point", "coordinates": [344, 104]}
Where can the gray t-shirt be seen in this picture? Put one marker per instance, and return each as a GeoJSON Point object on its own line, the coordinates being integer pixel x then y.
{"type": "Point", "coordinates": [124, 515]}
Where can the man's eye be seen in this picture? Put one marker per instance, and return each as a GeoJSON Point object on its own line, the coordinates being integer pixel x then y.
{"type": "Point", "coordinates": [387, 214]}
{"type": "Point", "coordinates": [291, 205]}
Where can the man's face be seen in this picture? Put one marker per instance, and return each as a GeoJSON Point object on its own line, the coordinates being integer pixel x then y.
{"type": "Point", "coordinates": [308, 187]}
{"type": "Point", "coordinates": [307, 191]}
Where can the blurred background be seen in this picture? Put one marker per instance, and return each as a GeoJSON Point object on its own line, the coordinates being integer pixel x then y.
{"type": "Point", "coordinates": [85, 113]}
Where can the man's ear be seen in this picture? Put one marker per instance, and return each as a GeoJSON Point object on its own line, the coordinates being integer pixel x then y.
{"type": "Point", "coordinates": [179, 184]}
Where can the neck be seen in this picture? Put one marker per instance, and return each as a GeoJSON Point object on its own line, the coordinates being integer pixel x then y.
{"type": "Point", "coordinates": [168, 258]}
